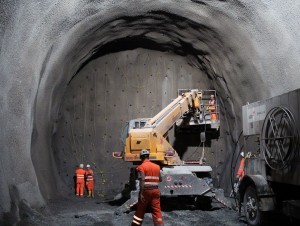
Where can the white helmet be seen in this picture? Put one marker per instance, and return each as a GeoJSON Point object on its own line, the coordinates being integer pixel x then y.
{"type": "Point", "coordinates": [81, 165]}
{"type": "Point", "coordinates": [242, 154]}
{"type": "Point", "coordinates": [144, 152]}
{"type": "Point", "coordinates": [212, 96]}
{"type": "Point", "coordinates": [88, 166]}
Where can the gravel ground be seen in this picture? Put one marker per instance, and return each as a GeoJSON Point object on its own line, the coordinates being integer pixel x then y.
{"type": "Point", "coordinates": [86, 211]}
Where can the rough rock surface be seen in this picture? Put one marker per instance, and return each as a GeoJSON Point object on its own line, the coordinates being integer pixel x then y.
{"type": "Point", "coordinates": [92, 212]}
{"type": "Point", "coordinates": [246, 50]}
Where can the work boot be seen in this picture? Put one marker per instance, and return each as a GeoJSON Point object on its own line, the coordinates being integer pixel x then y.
{"type": "Point", "coordinates": [90, 193]}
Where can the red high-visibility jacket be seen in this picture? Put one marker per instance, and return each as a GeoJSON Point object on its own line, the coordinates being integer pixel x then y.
{"type": "Point", "coordinates": [151, 171]}
{"type": "Point", "coordinates": [89, 175]}
{"type": "Point", "coordinates": [80, 175]}
{"type": "Point", "coordinates": [212, 102]}
{"type": "Point", "coordinates": [241, 170]}
{"type": "Point", "coordinates": [151, 194]}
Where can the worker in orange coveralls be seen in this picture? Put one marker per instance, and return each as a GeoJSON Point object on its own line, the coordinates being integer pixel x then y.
{"type": "Point", "coordinates": [212, 107]}
{"type": "Point", "coordinates": [90, 181]}
{"type": "Point", "coordinates": [79, 174]}
{"type": "Point", "coordinates": [239, 176]}
{"type": "Point", "coordinates": [241, 171]}
{"type": "Point", "coordinates": [149, 177]}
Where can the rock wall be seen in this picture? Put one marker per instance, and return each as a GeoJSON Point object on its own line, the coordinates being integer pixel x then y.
{"type": "Point", "coordinates": [245, 50]}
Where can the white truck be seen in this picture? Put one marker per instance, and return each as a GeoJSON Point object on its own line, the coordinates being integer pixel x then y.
{"type": "Point", "coordinates": [272, 172]}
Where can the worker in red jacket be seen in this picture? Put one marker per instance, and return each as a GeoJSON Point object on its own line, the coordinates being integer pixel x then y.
{"type": "Point", "coordinates": [149, 177]}
{"type": "Point", "coordinates": [239, 175]}
{"type": "Point", "coordinates": [212, 107]}
{"type": "Point", "coordinates": [90, 181]}
{"type": "Point", "coordinates": [79, 174]}
{"type": "Point", "coordinates": [241, 171]}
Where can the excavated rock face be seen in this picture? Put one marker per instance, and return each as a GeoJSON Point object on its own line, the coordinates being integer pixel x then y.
{"type": "Point", "coordinates": [73, 72]}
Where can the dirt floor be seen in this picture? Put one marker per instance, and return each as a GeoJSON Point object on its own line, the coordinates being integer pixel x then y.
{"type": "Point", "coordinates": [86, 211]}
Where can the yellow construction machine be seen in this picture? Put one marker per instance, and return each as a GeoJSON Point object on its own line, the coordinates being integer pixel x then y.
{"type": "Point", "coordinates": [193, 111]}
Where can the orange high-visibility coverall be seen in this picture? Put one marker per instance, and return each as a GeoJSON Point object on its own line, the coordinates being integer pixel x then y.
{"type": "Point", "coordinates": [241, 170]}
{"type": "Point", "coordinates": [80, 181]}
{"type": "Point", "coordinates": [212, 109]}
{"type": "Point", "coordinates": [151, 193]}
{"type": "Point", "coordinates": [90, 183]}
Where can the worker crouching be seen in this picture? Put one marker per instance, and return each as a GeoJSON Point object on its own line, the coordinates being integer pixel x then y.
{"type": "Point", "coordinates": [90, 181]}
{"type": "Point", "coordinates": [79, 174]}
{"type": "Point", "coordinates": [149, 177]}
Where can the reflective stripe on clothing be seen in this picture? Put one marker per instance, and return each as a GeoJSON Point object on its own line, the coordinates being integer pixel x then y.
{"type": "Point", "coordinates": [152, 200]}
{"type": "Point", "coordinates": [152, 177]}
{"type": "Point", "coordinates": [80, 175]}
{"type": "Point", "coordinates": [89, 178]}
{"type": "Point", "coordinates": [136, 221]}
{"type": "Point", "coordinates": [137, 218]}
{"type": "Point", "coordinates": [89, 173]}
{"type": "Point", "coordinates": [151, 183]}
{"type": "Point", "coordinates": [151, 174]}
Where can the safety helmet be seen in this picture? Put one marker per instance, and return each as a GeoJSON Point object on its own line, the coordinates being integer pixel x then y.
{"type": "Point", "coordinates": [144, 152]}
{"type": "Point", "coordinates": [212, 96]}
{"type": "Point", "coordinates": [88, 166]}
{"type": "Point", "coordinates": [81, 165]}
{"type": "Point", "coordinates": [242, 154]}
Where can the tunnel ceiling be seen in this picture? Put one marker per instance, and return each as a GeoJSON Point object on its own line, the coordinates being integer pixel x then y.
{"type": "Point", "coordinates": [245, 50]}
{"type": "Point", "coordinates": [205, 46]}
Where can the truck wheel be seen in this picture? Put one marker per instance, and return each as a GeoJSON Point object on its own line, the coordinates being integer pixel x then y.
{"type": "Point", "coordinates": [251, 206]}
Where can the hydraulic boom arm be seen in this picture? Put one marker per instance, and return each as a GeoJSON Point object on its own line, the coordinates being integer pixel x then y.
{"type": "Point", "coordinates": [152, 133]}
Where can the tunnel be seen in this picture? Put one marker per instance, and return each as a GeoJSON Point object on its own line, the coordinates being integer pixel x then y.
{"type": "Point", "coordinates": [74, 72]}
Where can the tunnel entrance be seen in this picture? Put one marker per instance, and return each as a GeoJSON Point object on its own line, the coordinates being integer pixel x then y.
{"type": "Point", "coordinates": [249, 51]}
{"type": "Point", "coordinates": [98, 100]}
